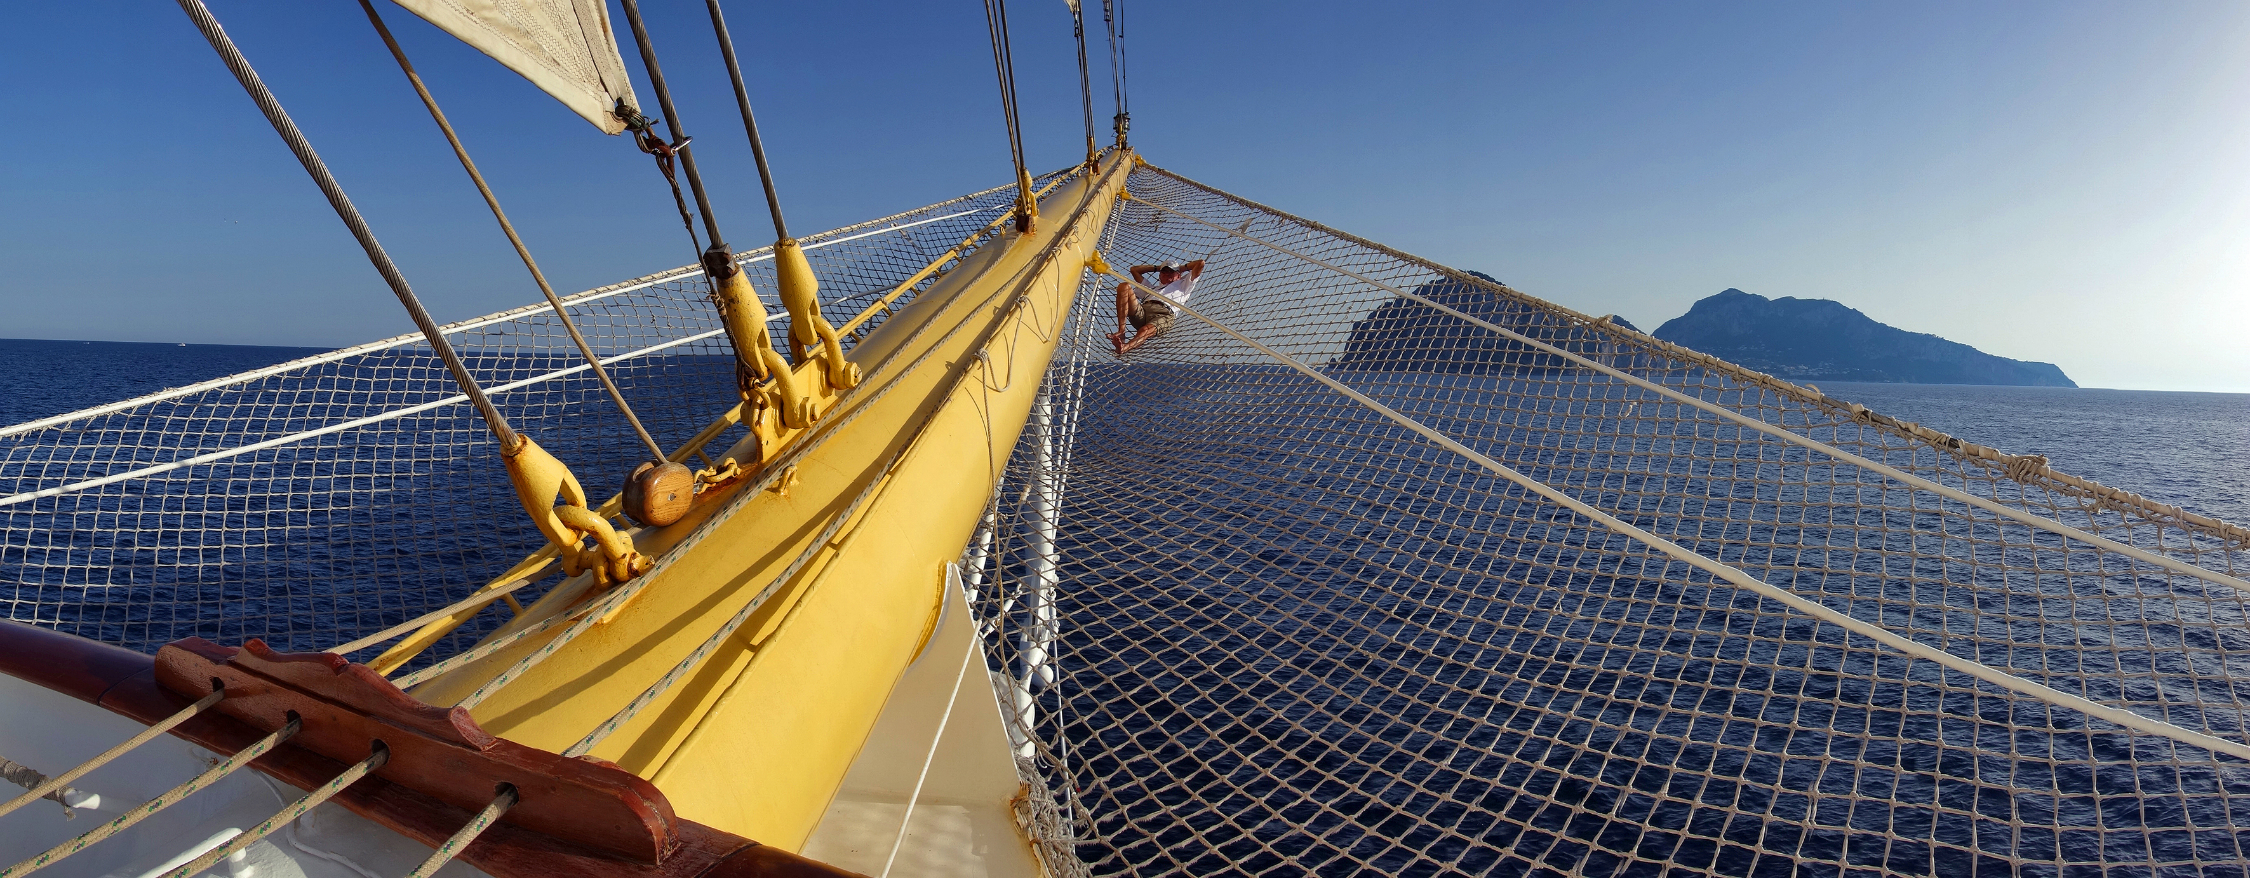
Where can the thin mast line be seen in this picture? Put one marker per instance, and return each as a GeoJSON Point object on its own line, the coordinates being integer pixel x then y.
{"type": "Point", "coordinates": [1810, 444]}
{"type": "Point", "coordinates": [594, 294]}
{"type": "Point", "coordinates": [749, 122]}
{"type": "Point", "coordinates": [345, 211]}
{"type": "Point", "coordinates": [293, 438]}
{"type": "Point", "coordinates": [1741, 579]}
{"type": "Point", "coordinates": [522, 252]}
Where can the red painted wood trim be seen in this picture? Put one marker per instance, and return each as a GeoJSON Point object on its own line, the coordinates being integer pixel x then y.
{"type": "Point", "coordinates": [440, 752]}
{"type": "Point", "coordinates": [124, 682]}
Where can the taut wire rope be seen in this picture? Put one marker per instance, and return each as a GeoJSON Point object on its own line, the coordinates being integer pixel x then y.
{"type": "Point", "coordinates": [680, 139]}
{"type": "Point", "coordinates": [1017, 294]}
{"type": "Point", "coordinates": [1004, 69]}
{"type": "Point", "coordinates": [1085, 83]}
{"type": "Point", "coordinates": [342, 204]}
{"type": "Point", "coordinates": [522, 252]}
{"type": "Point", "coordinates": [287, 814]}
{"type": "Point", "coordinates": [749, 122]}
{"type": "Point", "coordinates": [1112, 21]}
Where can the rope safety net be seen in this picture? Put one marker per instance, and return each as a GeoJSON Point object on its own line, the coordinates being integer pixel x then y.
{"type": "Point", "coordinates": [1249, 625]}
{"type": "Point", "coordinates": [1270, 630]}
{"type": "Point", "coordinates": [330, 498]}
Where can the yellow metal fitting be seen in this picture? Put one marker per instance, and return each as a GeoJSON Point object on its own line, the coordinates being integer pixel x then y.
{"type": "Point", "coordinates": [1096, 264]}
{"type": "Point", "coordinates": [540, 481]}
{"type": "Point", "coordinates": [800, 293]}
{"type": "Point", "coordinates": [745, 318]}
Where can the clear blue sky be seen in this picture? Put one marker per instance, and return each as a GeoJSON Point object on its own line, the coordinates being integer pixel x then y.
{"type": "Point", "coordinates": [2056, 181]}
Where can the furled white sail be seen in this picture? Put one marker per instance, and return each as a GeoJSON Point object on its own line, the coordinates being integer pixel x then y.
{"type": "Point", "coordinates": [565, 47]}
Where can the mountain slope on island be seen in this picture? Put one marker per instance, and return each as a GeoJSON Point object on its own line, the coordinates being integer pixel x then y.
{"type": "Point", "coordinates": [1818, 338]}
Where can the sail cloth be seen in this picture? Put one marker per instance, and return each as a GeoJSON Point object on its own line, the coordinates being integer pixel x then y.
{"type": "Point", "coordinates": [565, 47]}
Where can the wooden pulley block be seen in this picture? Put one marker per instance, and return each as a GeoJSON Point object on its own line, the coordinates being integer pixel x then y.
{"type": "Point", "coordinates": [657, 494]}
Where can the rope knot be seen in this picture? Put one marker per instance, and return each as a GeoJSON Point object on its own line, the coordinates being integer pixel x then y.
{"type": "Point", "coordinates": [2024, 467]}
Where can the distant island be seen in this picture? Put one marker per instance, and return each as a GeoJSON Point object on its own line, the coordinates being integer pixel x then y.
{"type": "Point", "coordinates": [1816, 338]}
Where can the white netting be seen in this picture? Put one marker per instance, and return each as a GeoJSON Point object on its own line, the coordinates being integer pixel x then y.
{"type": "Point", "coordinates": [330, 498]}
{"type": "Point", "coordinates": [1286, 633]}
{"type": "Point", "coordinates": [1291, 636]}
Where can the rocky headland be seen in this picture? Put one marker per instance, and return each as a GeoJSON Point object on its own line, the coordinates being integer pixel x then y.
{"type": "Point", "coordinates": [1817, 338]}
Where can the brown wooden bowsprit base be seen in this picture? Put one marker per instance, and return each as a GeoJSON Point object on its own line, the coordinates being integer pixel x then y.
{"type": "Point", "coordinates": [418, 803]}
{"type": "Point", "coordinates": [436, 751]}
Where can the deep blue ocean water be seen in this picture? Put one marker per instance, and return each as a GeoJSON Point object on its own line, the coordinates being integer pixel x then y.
{"type": "Point", "coordinates": [2187, 449]}
{"type": "Point", "coordinates": [47, 377]}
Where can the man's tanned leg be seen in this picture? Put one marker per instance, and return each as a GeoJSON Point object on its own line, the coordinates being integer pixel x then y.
{"type": "Point", "coordinates": [1124, 317]}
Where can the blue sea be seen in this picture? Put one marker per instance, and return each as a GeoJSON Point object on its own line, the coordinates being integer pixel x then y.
{"type": "Point", "coordinates": [1280, 659]}
{"type": "Point", "coordinates": [50, 377]}
{"type": "Point", "coordinates": [2187, 449]}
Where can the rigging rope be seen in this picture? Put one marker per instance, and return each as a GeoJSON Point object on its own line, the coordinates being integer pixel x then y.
{"type": "Point", "coordinates": [667, 159]}
{"type": "Point", "coordinates": [287, 814]}
{"type": "Point", "coordinates": [961, 372]}
{"type": "Point", "coordinates": [679, 145]}
{"type": "Point", "coordinates": [459, 841]}
{"type": "Point", "coordinates": [287, 128]}
{"type": "Point", "coordinates": [1085, 85]}
{"type": "Point", "coordinates": [1112, 21]}
{"type": "Point", "coordinates": [54, 785]}
{"type": "Point", "coordinates": [1004, 68]}
{"type": "Point", "coordinates": [749, 122]}
{"type": "Point", "coordinates": [522, 251]}
{"type": "Point", "coordinates": [162, 801]}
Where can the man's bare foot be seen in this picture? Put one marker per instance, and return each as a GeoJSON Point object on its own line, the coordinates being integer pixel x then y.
{"type": "Point", "coordinates": [1117, 340]}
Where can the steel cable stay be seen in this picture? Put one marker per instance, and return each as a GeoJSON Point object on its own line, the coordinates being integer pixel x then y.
{"type": "Point", "coordinates": [1085, 84]}
{"type": "Point", "coordinates": [1004, 70]}
{"type": "Point", "coordinates": [1016, 291]}
{"type": "Point", "coordinates": [522, 252]}
{"type": "Point", "coordinates": [1735, 575]}
{"type": "Point", "coordinates": [848, 409]}
{"type": "Point", "coordinates": [1113, 23]}
{"type": "Point", "coordinates": [342, 204]}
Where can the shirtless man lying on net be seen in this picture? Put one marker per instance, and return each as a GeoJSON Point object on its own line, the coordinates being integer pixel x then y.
{"type": "Point", "coordinates": [1144, 317]}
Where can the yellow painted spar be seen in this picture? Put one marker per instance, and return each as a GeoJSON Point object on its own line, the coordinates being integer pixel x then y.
{"type": "Point", "coordinates": [758, 737]}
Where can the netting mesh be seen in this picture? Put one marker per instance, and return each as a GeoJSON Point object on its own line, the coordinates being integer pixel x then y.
{"type": "Point", "coordinates": [1290, 636]}
{"type": "Point", "coordinates": [1248, 625]}
{"type": "Point", "coordinates": [326, 499]}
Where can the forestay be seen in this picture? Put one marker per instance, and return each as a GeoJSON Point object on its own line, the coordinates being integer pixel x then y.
{"type": "Point", "coordinates": [1291, 633]}
{"type": "Point", "coordinates": [330, 498]}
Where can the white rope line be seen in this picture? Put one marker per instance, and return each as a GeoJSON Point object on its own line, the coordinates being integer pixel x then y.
{"type": "Point", "coordinates": [164, 725]}
{"type": "Point", "coordinates": [1022, 282]}
{"type": "Point", "coordinates": [162, 801]}
{"type": "Point", "coordinates": [598, 293]}
{"type": "Point", "coordinates": [2042, 523]}
{"type": "Point", "coordinates": [907, 819]}
{"type": "Point", "coordinates": [473, 601]}
{"type": "Point", "coordinates": [286, 815]}
{"type": "Point", "coordinates": [476, 826]}
{"type": "Point", "coordinates": [345, 425]}
{"type": "Point", "coordinates": [1738, 577]}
